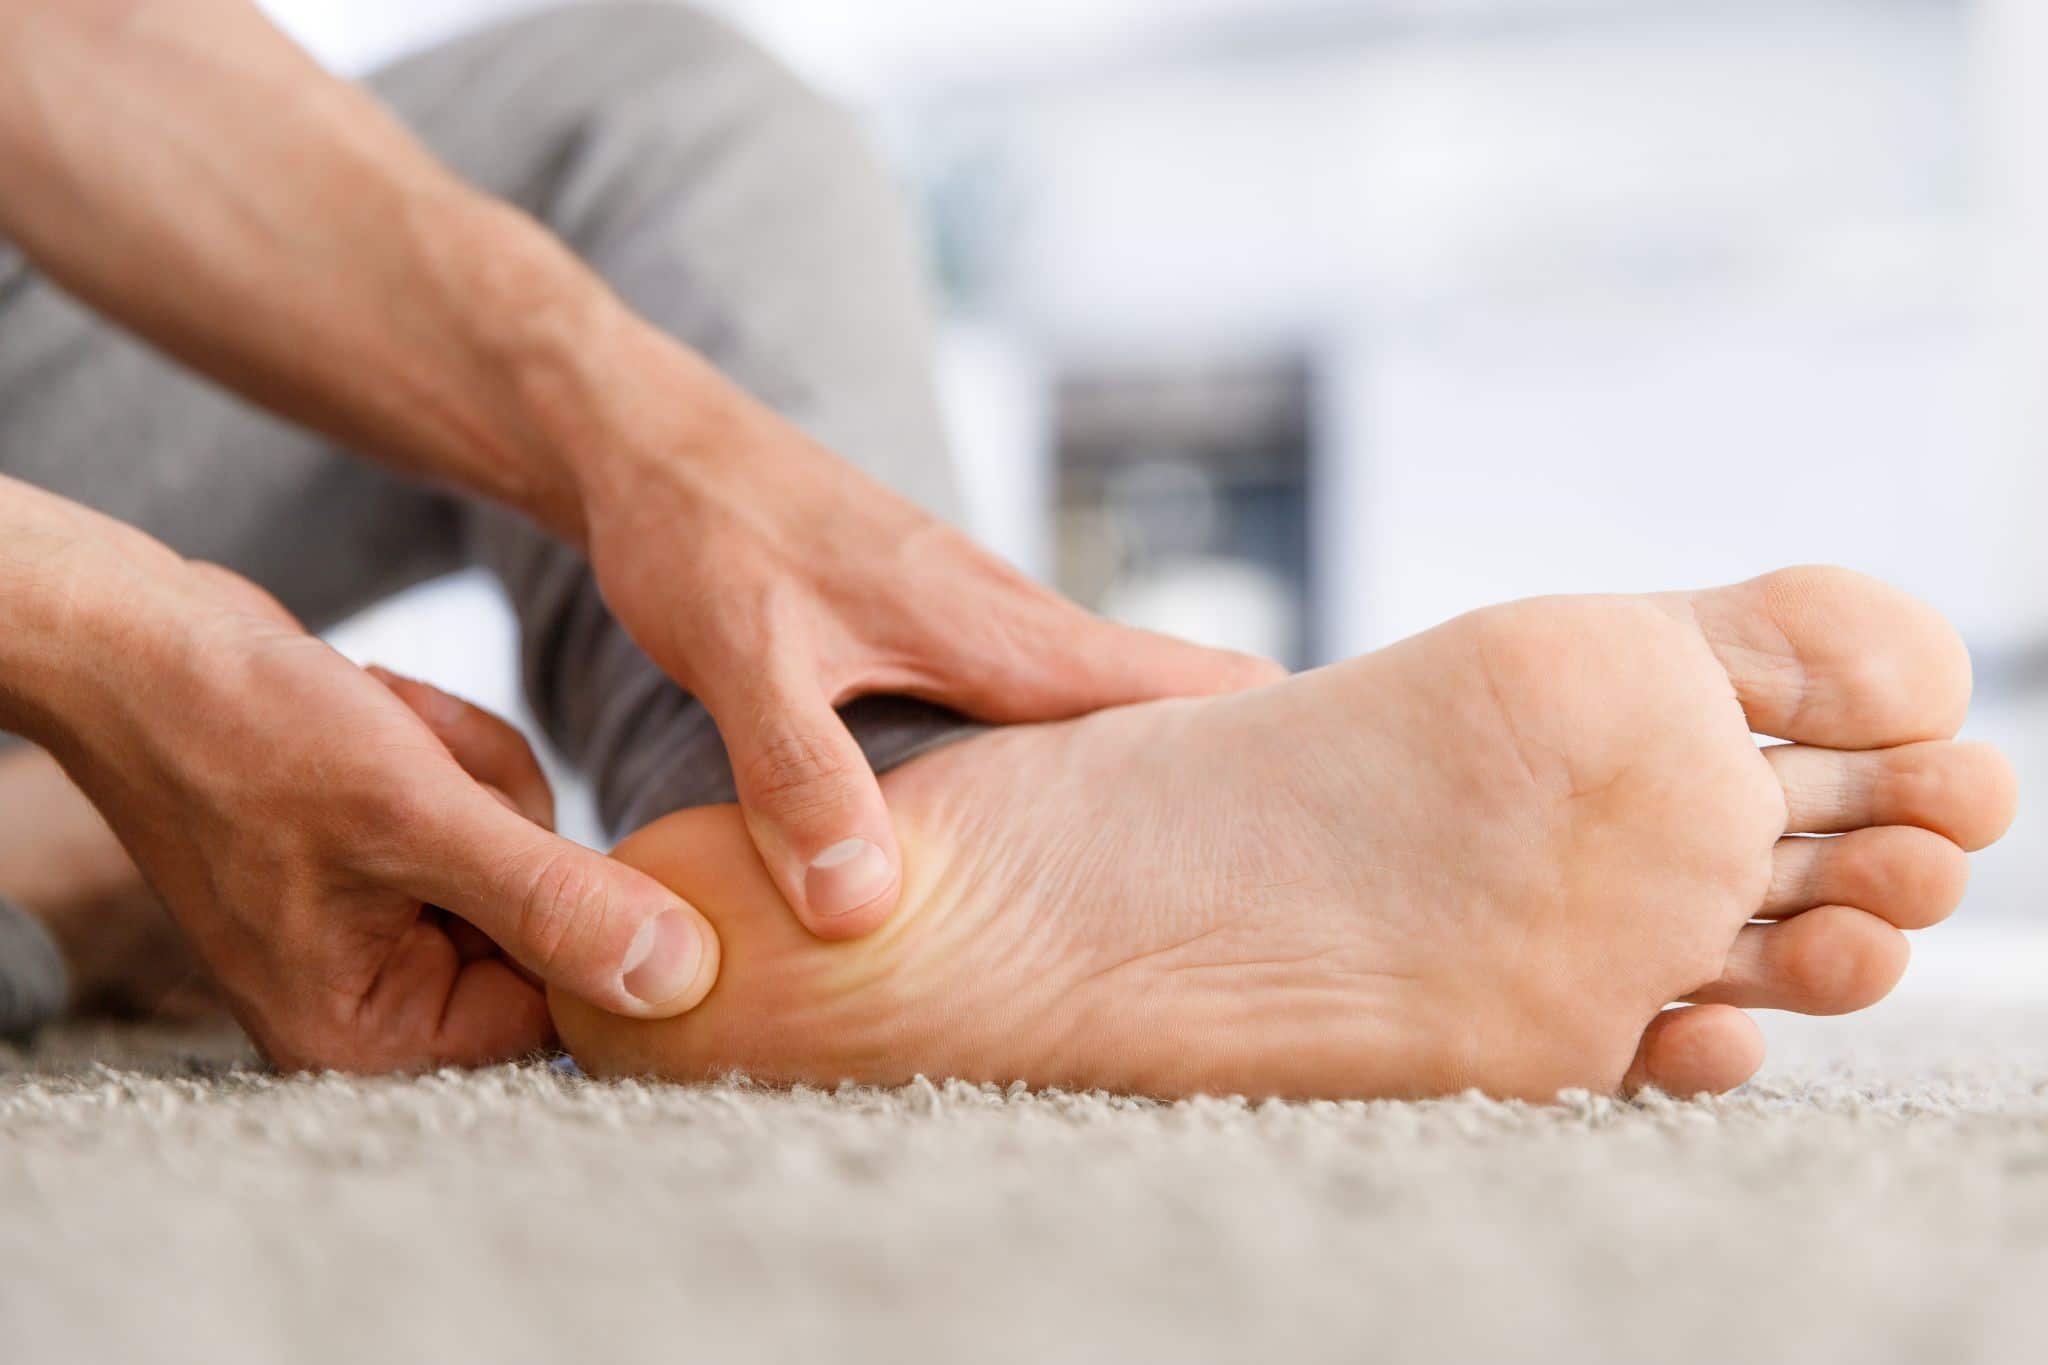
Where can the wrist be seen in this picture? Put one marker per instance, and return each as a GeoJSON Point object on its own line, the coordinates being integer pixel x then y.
{"type": "Point", "coordinates": [79, 604]}
{"type": "Point", "coordinates": [592, 401]}
{"type": "Point", "coordinates": [622, 408]}
{"type": "Point", "coordinates": [524, 314]}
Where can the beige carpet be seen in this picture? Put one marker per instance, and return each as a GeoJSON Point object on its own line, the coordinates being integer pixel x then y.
{"type": "Point", "coordinates": [1881, 1195]}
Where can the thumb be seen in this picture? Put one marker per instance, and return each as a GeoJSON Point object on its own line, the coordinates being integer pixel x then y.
{"type": "Point", "coordinates": [596, 928]}
{"type": "Point", "coordinates": [814, 809]}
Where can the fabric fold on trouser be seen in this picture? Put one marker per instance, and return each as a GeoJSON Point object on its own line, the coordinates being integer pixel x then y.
{"type": "Point", "coordinates": [34, 982]}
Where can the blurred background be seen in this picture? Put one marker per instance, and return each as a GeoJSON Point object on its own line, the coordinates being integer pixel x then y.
{"type": "Point", "coordinates": [1300, 325]}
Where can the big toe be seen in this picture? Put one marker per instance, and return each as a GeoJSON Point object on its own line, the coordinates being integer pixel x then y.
{"type": "Point", "coordinates": [1831, 657]}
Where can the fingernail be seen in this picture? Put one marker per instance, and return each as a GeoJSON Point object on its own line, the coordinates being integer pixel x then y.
{"type": "Point", "coordinates": [662, 962]}
{"type": "Point", "coordinates": [845, 877]}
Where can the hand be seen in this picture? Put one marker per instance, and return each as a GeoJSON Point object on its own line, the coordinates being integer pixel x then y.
{"type": "Point", "coordinates": [366, 864]}
{"type": "Point", "coordinates": [459, 342]}
{"type": "Point", "coordinates": [775, 581]}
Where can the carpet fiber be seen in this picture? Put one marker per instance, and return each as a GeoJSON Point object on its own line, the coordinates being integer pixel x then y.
{"type": "Point", "coordinates": [1882, 1194]}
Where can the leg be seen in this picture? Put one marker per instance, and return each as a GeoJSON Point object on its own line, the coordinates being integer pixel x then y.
{"type": "Point", "coordinates": [740, 212]}
{"type": "Point", "coordinates": [1488, 856]}
{"type": "Point", "coordinates": [34, 981]}
{"type": "Point", "coordinates": [94, 415]}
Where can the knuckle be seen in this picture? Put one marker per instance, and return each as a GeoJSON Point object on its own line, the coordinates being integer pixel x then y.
{"type": "Point", "coordinates": [401, 807]}
{"type": "Point", "coordinates": [794, 775]}
{"type": "Point", "coordinates": [561, 897]}
{"type": "Point", "coordinates": [370, 804]}
{"type": "Point", "coordinates": [301, 1045]}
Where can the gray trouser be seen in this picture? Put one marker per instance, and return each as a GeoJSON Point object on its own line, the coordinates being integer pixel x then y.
{"type": "Point", "coordinates": [724, 201]}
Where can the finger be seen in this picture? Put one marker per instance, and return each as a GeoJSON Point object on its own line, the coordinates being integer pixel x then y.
{"type": "Point", "coordinates": [489, 747]}
{"type": "Point", "coordinates": [814, 809]}
{"type": "Point", "coordinates": [579, 920]}
{"type": "Point", "coordinates": [1061, 660]}
{"type": "Point", "coordinates": [432, 1006]}
{"type": "Point", "coordinates": [471, 943]}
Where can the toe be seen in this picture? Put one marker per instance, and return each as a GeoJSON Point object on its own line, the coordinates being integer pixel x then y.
{"type": "Point", "coordinates": [1830, 960]}
{"type": "Point", "coordinates": [1909, 877]}
{"type": "Point", "coordinates": [1696, 1048]}
{"type": "Point", "coordinates": [1827, 656]}
{"type": "Point", "coordinates": [1965, 792]}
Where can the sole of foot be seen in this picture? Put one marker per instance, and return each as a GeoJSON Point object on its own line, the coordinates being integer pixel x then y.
{"type": "Point", "coordinates": [1533, 849]}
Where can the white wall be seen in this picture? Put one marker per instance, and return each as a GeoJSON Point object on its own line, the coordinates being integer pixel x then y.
{"type": "Point", "coordinates": [355, 36]}
{"type": "Point", "coordinates": [2011, 173]}
{"type": "Point", "coordinates": [1638, 302]}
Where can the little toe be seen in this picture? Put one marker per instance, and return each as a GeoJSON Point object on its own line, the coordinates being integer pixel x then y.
{"type": "Point", "coordinates": [1695, 1049]}
{"type": "Point", "coordinates": [1823, 655]}
{"type": "Point", "coordinates": [1830, 960]}
{"type": "Point", "coordinates": [1907, 876]}
{"type": "Point", "coordinates": [1965, 792]}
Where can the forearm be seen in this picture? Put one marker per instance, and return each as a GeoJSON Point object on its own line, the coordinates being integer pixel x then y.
{"type": "Point", "coordinates": [186, 170]}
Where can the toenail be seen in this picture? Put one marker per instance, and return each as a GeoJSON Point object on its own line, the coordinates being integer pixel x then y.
{"type": "Point", "coordinates": [845, 877]}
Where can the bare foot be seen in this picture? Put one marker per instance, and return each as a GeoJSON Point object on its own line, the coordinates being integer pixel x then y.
{"type": "Point", "coordinates": [60, 863]}
{"type": "Point", "coordinates": [1488, 856]}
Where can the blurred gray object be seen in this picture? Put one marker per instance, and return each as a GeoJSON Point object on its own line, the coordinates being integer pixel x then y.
{"type": "Point", "coordinates": [34, 982]}
{"type": "Point", "coordinates": [1183, 500]}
